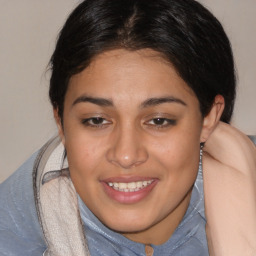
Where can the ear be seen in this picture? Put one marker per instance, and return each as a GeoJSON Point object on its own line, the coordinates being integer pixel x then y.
{"type": "Point", "coordinates": [59, 125]}
{"type": "Point", "coordinates": [213, 117]}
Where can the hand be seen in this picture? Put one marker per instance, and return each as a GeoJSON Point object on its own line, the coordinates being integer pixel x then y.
{"type": "Point", "coordinates": [229, 171]}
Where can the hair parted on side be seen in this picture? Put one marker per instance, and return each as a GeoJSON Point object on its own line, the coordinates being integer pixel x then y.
{"type": "Point", "coordinates": [183, 31]}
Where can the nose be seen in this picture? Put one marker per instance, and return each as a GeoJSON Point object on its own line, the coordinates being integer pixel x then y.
{"type": "Point", "coordinates": [127, 149]}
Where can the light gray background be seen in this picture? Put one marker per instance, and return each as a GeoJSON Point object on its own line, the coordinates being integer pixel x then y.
{"type": "Point", "coordinates": [28, 30]}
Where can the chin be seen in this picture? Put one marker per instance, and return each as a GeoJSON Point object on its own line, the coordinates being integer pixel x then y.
{"type": "Point", "coordinates": [124, 224]}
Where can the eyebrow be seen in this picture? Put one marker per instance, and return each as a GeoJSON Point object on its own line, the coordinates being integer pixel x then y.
{"type": "Point", "coordinates": [147, 103]}
{"type": "Point", "coordinates": [98, 101]}
{"type": "Point", "coordinates": [157, 101]}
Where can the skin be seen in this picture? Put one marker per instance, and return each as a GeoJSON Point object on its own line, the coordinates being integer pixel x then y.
{"type": "Point", "coordinates": [231, 208]}
{"type": "Point", "coordinates": [135, 137]}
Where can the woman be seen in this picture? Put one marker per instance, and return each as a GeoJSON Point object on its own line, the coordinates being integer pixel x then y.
{"type": "Point", "coordinates": [138, 88]}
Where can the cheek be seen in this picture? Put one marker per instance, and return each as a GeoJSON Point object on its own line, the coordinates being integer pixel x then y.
{"type": "Point", "coordinates": [84, 155]}
{"type": "Point", "coordinates": [180, 160]}
{"type": "Point", "coordinates": [84, 159]}
{"type": "Point", "coordinates": [179, 157]}
{"type": "Point", "coordinates": [177, 150]}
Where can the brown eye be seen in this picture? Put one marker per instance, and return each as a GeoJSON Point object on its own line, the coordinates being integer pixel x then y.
{"type": "Point", "coordinates": [161, 122]}
{"type": "Point", "coordinates": [95, 121]}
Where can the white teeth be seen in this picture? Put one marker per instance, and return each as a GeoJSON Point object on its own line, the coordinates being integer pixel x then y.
{"type": "Point", "coordinates": [130, 186]}
{"type": "Point", "coordinates": [144, 183]}
{"type": "Point", "coordinates": [122, 185]}
{"type": "Point", "coordinates": [139, 184]}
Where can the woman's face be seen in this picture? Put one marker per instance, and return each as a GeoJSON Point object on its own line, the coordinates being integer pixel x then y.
{"type": "Point", "coordinates": [132, 130]}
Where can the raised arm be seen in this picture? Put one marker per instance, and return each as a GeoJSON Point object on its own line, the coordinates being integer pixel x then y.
{"type": "Point", "coordinates": [229, 165]}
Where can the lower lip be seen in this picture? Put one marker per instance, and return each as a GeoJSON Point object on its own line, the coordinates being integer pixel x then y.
{"type": "Point", "coordinates": [129, 197]}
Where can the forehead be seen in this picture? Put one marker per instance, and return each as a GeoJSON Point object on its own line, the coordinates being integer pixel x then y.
{"type": "Point", "coordinates": [123, 75]}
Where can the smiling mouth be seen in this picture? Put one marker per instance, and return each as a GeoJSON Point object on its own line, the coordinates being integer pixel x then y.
{"type": "Point", "coordinates": [129, 186]}
{"type": "Point", "coordinates": [129, 190]}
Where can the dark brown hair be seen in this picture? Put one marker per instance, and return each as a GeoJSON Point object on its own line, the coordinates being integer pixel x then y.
{"type": "Point", "coordinates": [183, 31]}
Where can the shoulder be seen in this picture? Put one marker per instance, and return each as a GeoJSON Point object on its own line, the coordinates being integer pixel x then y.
{"type": "Point", "coordinates": [20, 232]}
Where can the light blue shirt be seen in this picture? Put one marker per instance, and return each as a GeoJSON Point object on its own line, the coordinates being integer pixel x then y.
{"type": "Point", "coordinates": [21, 235]}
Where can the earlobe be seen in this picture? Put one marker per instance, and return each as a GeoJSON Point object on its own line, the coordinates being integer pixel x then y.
{"type": "Point", "coordinates": [212, 119]}
{"type": "Point", "coordinates": [59, 125]}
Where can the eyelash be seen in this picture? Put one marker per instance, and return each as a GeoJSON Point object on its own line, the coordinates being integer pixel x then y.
{"type": "Point", "coordinates": [164, 122]}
